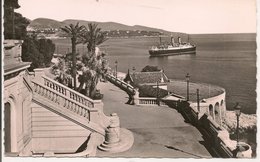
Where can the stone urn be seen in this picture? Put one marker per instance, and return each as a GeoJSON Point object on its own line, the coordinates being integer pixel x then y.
{"type": "Point", "coordinates": [243, 150]}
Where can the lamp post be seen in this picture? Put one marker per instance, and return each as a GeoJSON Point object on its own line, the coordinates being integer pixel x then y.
{"type": "Point", "coordinates": [157, 92]}
{"type": "Point", "coordinates": [116, 67]}
{"type": "Point", "coordinates": [237, 110]}
{"type": "Point", "coordinates": [188, 81]}
{"type": "Point", "coordinates": [133, 69]}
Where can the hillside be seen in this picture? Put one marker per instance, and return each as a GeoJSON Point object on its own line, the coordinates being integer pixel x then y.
{"type": "Point", "coordinates": [43, 23]}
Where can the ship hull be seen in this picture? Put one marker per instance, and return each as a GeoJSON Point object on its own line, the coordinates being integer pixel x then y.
{"type": "Point", "coordinates": [168, 52]}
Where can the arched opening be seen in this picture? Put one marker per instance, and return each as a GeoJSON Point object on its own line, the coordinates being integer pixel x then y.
{"type": "Point", "coordinates": [7, 127]}
{"type": "Point", "coordinates": [211, 111]}
{"type": "Point", "coordinates": [10, 136]}
{"type": "Point", "coordinates": [217, 113]}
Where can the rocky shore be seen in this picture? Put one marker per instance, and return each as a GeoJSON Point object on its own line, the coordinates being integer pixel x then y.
{"type": "Point", "coordinates": [247, 122]}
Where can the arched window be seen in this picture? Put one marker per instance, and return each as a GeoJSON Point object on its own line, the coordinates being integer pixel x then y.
{"type": "Point", "coordinates": [7, 127]}
{"type": "Point", "coordinates": [217, 113]}
{"type": "Point", "coordinates": [221, 103]}
{"type": "Point", "coordinates": [211, 111]}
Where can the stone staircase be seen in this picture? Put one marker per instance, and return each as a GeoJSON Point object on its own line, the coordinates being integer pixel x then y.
{"type": "Point", "coordinates": [70, 104]}
{"type": "Point", "coordinates": [62, 120]}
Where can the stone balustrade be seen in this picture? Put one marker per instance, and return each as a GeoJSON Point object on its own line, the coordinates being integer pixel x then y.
{"type": "Point", "coordinates": [69, 93]}
{"type": "Point", "coordinates": [148, 101]}
{"type": "Point", "coordinates": [121, 84]}
{"type": "Point", "coordinates": [58, 97]}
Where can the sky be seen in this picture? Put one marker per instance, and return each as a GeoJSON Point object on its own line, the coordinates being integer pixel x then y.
{"type": "Point", "coordinates": [189, 16]}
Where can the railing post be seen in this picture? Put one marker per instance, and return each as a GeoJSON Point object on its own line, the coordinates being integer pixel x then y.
{"type": "Point", "coordinates": [38, 75]}
{"type": "Point", "coordinates": [94, 115]}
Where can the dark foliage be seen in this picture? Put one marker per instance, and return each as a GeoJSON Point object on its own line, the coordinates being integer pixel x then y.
{"type": "Point", "coordinates": [11, 19]}
{"type": "Point", "coordinates": [39, 52]}
{"type": "Point", "coordinates": [149, 68]}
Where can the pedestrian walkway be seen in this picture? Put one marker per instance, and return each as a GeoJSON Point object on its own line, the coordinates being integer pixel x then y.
{"type": "Point", "coordinates": [158, 131]}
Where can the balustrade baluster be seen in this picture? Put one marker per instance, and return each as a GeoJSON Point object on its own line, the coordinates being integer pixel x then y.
{"type": "Point", "coordinates": [39, 90]}
{"type": "Point", "coordinates": [75, 108]}
{"type": "Point", "coordinates": [52, 96]}
{"type": "Point", "coordinates": [68, 104]}
{"type": "Point", "coordinates": [57, 99]}
{"type": "Point", "coordinates": [72, 106]}
{"type": "Point", "coordinates": [46, 93]}
{"type": "Point", "coordinates": [80, 110]}
{"type": "Point", "coordinates": [64, 102]}
{"type": "Point", "coordinates": [42, 91]}
{"type": "Point", "coordinates": [35, 87]}
{"type": "Point", "coordinates": [84, 112]}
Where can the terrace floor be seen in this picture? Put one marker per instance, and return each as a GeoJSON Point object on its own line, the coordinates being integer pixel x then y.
{"type": "Point", "coordinates": [205, 90]}
{"type": "Point", "coordinates": [158, 131]}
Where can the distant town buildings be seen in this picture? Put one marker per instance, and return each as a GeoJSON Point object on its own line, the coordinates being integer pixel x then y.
{"type": "Point", "coordinates": [56, 32]}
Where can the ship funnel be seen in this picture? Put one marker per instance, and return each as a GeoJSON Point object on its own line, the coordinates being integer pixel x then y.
{"type": "Point", "coordinates": [179, 40]}
{"type": "Point", "coordinates": [172, 40]}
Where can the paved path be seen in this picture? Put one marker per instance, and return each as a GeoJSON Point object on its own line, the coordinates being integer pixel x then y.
{"type": "Point", "coordinates": [158, 131]}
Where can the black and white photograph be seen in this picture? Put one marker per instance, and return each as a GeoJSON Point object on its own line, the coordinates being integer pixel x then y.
{"type": "Point", "coordinates": [109, 79]}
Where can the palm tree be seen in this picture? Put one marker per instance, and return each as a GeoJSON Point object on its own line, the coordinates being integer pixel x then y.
{"type": "Point", "coordinates": [95, 62]}
{"type": "Point", "coordinates": [74, 32]}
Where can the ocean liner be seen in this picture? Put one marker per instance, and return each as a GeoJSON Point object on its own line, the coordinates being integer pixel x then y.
{"type": "Point", "coordinates": [179, 48]}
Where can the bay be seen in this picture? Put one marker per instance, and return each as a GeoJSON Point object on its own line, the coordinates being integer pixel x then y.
{"type": "Point", "coordinates": [226, 60]}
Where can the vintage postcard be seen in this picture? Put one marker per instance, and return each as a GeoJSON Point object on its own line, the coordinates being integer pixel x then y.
{"type": "Point", "coordinates": [129, 79]}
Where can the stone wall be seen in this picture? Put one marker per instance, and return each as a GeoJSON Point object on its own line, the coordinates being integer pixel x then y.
{"type": "Point", "coordinates": [216, 137]}
{"type": "Point", "coordinates": [17, 98]}
{"type": "Point", "coordinates": [54, 133]}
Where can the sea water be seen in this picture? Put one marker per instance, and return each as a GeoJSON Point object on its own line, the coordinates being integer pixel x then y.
{"type": "Point", "coordinates": [226, 60]}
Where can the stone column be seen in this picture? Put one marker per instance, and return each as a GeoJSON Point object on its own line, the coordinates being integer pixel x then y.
{"type": "Point", "coordinates": [38, 74]}
{"type": "Point", "coordinates": [136, 96]}
{"type": "Point", "coordinates": [116, 139]}
{"type": "Point", "coordinates": [112, 136]}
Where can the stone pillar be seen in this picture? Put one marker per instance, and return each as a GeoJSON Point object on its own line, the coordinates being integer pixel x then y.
{"type": "Point", "coordinates": [38, 74]}
{"type": "Point", "coordinates": [116, 139]}
{"type": "Point", "coordinates": [136, 97]}
{"type": "Point", "coordinates": [113, 130]}
{"type": "Point", "coordinates": [112, 136]}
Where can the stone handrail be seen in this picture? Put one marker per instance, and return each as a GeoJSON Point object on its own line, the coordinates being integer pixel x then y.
{"type": "Point", "coordinates": [149, 101]}
{"type": "Point", "coordinates": [27, 77]}
{"type": "Point", "coordinates": [69, 93]}
{"type": "Point", "coordinates": [62, 100]}
{"type": "Point", "coordinates": [121, 83]}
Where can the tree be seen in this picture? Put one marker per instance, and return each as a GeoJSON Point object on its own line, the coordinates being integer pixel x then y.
{"type": "Point", "coordinates": [30, 53]}
{"type": "Point", "coordinates": [94, 61]}
{"type": "Point", "coordinates": [14, 23]}
{"type": "Point", "coordinates": [46, 48]}
{"type": "Point", "coordinates": [74, 32]}
{"type": "Point", "coordinates": [149, 68]}
{"type": "Point", "coordinates": [39, 52]}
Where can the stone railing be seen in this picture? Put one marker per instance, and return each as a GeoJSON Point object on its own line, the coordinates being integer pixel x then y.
{"type": "Point", "coordinates": [219, 139]}
{"type": "Point", "coordinates": [68, 93]}
{"type": "Point", "coordinates": [58, 97]}
{"type": "Point", "coordinates": [121, 84]}
{"type": "Point", "coordinates": [28, 77]}
{"type": "Point", "coordinates": [148, 101]}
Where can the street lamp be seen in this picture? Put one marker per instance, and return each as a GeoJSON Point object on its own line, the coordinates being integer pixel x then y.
{"type": "Point", "coordinates": [157, 92]}
{"type": "Point", "coordinates": [237, 110]}
{"type": "Point", "coordinates": [116, 67]}
{"type": "Point", "coordinates": [188, 81]}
